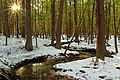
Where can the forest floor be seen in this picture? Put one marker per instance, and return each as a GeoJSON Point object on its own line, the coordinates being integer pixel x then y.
{"type": "Point", "coordinates": [84, 69]}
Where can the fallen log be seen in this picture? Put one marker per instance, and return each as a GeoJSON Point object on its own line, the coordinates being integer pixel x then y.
{"type": "Point", "coordinates": [62, 43]}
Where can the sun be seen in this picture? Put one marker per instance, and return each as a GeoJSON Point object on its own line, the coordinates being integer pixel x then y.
{"type": "Point", "coordinates": [15, 7]}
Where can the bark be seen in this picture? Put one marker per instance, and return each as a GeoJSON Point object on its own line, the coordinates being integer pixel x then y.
{"type": "Point", "coordinates": [23, 19]}
{"type": "Point", "coordinates": [59, 25]}
{"type": "Point", "coordinates": [83, 20]}
{"type": "Point", "coordinates": [5, 21]}
{"type": "Point", "coordinates": [66, 18]}
{"type": "Point", "coordinates": [92, 22]}
{"type": "Point", "coordinates": [109, 20]}
{"type": "Point", "coordinates": [76, 23]}
{"type": "Point", "coordinates": [115, 29]}
{"type": "Point", "coordinates": [17, 27]}
{"type": "Point", "coordinates": [70, 21]}
{"type": "Point", "coordinates": [28, 45]}
{"type": "Point", "coordinates": [101, 48]}
{"type": "Point", "coordinates": [35, 22]}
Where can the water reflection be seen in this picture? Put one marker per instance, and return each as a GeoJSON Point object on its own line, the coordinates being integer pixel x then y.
{"type": "Point", "coordinates": [31, 72]}
{"type": "Point", "coordinates": [45, 70]}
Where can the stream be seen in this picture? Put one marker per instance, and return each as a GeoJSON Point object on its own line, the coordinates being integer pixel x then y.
{"type": "Point", "coordinates": [36, 71]}
{"type": "Point", "coordinates": [45, 70]}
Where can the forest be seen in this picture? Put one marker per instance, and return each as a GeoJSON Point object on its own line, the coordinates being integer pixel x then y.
{"type": "Point", "coordinates": [59, 40]}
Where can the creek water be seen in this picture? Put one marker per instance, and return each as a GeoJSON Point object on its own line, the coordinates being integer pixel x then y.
{"type": "Point", "coordinates": [45, 70]}
{"type": "Point", "coordinates": [36, 71]}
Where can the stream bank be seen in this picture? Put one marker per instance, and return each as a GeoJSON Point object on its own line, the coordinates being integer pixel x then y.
{"type": "Point", "coordinates": [44, 70]}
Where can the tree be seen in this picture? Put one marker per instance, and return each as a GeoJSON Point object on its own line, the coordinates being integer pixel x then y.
{"type": "Point", "coordinates": [53, 21]}
{"type": "Point", "coordinates": [76, 23]}
{"type": "Point", "coordinates": [101, 48]}
{"type": "Point", "coordinates": [17, 27]}
{"type": "Point", "coordinates": [23, 19]}
{"type": "Point", "coordinates": [84, 7]}
{"type": "Point", "coordinates": [5, 21]}
{"type": "Point", "coordinates": [1, 24]}
{"type": "Point", "coordinates": [115, 29]}
{"type": "Point", "coordinates": [66, 18]}
{"type": "Point", "coordinates": [70, 20]}
{"type": "Point", "coordinates": [108, 16]}
{"type": "Point", "coordinates": [59, 25]}
{"type": "Point", "coordinates": [88, 23]}
{"type": "Point", "coordinates": [28, 45]}
{"type": "Point", "coordinates": [35, 24]}
{"type": "Point", "coordinates": [92, 22]}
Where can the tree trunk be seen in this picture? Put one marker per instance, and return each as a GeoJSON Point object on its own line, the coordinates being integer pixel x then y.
{"type": "Point", "coordinates": [83, 20]}
{"type": "Point", "coordinates": [88, 23]}
{"type": "Point", "coordinates": [101, 48]}
{"type": "Point", "coordinates": [115, 29]}
{"type": "Point", "coordinates": [70, 21]}
{"type": "Point", "coordinates": [17, 27]}
{"type": "Point", "coordinates": [109, 20]}
{"type": "Point", "coordinates": [28, 45]}
{"type": "Point", "coordinates": [66, 18]}
{"type": "Point", "coordinates": [23, 19]}
{"type": "Point", "coordinates": [5, 22]}
{"type": "Point", "coordinates": [75, 19]}
{"type": "Point", "coordinates": [1, 20]}
{"type": "Point", "coordinates": [59, 25]}
{"type": "Point", "coordinates": [92, 22]}
{"type": "Point", "coordinates": [35, 22]}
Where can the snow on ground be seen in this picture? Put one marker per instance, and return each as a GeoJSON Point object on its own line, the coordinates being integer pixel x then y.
{"type": "Point", "coordinates": [84, 44]}
{"type": "Point", "coordinates": [14, 52]}
{"type": "Point", "coordinates": [85, 69]}
{"type": "Point", "coordinates": [81, 69]}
